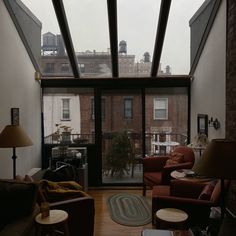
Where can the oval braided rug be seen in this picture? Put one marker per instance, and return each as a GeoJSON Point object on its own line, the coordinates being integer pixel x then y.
{"type": "Point", "coordinates": [129, 209]}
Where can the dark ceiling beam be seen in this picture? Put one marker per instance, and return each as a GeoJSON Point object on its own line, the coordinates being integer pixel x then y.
{"type": "Point", "coordinates": [63, 24]}
{"type": "Point", "coordinates": [161, 29]}
{"type": "Point", "coordinates": [121, 83]}
{"type": "Point", "coordinates": [112, 21]}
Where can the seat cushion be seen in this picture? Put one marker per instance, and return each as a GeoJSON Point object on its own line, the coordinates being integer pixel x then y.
{"type": "Point", "coordinates": [153, 178]}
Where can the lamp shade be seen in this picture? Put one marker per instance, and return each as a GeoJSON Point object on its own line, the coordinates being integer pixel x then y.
{"type": "Point", "coordinates": [218, 160]}
{"type": "Point", "coordinates": [14, 136]}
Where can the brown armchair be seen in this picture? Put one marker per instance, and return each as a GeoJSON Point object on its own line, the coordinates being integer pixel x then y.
{"type": "Point", "coordinates": [157, 171]}
{"type": "Point", "coordinates": [195, 198]}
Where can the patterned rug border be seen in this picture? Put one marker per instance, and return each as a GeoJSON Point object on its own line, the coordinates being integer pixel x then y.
{"type": "Point", "coordinates": [129, 209]}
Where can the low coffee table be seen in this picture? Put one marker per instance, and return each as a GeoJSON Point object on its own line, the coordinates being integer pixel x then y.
{"type": "Point", "coordinates": [171, 218]}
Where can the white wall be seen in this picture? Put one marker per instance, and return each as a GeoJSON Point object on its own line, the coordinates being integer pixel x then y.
{"type": "Point", "coordinates": [18, 89]}
{"type": "Point", "coordinates": [52, 109]}
{"type": "Point", "coordinates": [208, 86]}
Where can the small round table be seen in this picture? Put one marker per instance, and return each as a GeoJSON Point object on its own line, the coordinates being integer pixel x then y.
{"type": "Point", "coordinates": [57, 220]}
{"type": "Point", "coordinates": [183, 175]}
{"type": "Point", "coordinates": [171, 218]}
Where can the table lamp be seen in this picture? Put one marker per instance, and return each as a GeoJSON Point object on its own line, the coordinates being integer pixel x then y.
{"type": "Point", "coordinates": [14, 136]}
{"type": "Point", "coordinates": [218, 161]}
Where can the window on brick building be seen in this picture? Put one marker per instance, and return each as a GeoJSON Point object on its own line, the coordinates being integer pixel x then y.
{"type": "Point", "coordinates": [49, 68]}
{"type": "Point", "coordinates": [82, 67]}
{"type": "Point", "coordinates": [93, 111]}
{"type": "Point", "coordinates": [128, 108]}
{"type": "Point", "coordinates": [65, 67]}
{"type": "Point", "coordinates": [65, 109]}
{"type": "Point", "coordinates": [160, 108]}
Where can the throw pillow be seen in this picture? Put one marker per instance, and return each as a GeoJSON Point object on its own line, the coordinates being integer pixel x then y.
{"type": "Point", "coordinates": [206, 192]}
{"type": "Point", "coordinates": [17, 199]}
{"type": "Point", "coordinates": [175, 158]}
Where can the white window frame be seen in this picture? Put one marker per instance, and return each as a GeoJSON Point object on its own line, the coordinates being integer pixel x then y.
{"type": "Point", "coordinates": [63, 109]}
{"type": "Point", "coordinates": [155, 104]}
{"type": "Point", "coordinates": [128, 110]}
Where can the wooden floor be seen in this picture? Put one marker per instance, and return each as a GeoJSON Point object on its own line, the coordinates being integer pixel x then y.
{"type": "Point", "coordinates": [104, 225]}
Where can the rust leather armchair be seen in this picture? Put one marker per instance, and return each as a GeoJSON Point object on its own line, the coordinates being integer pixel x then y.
{"type": "Point", "coordinates": [195, 198]}
{"type": "Point", "coordinates": [156, 171]}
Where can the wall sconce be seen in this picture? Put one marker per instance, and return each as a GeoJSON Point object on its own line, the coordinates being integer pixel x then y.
{"type": "Point", "coordinates": [214, 123]}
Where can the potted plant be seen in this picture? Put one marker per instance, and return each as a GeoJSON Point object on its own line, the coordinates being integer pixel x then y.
{"type": "Point", "coordinates": [120, 155]}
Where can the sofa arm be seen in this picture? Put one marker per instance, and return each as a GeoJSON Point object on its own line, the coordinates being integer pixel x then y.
{"type": "Point", "coordinates": [153, 164]}
{"type": "Point", "coordinates": [81, 213]}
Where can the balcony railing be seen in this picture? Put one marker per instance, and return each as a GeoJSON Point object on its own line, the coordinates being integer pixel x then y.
{"type": "Point", "coordinates": [66, 138]}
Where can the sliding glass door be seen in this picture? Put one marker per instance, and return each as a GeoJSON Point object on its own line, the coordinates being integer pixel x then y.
{"type": "Point", "coordinates": [121, 118]}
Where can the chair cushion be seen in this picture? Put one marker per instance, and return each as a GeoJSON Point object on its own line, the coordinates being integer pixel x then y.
{"type": "Point", "coordinates": [154, 178]}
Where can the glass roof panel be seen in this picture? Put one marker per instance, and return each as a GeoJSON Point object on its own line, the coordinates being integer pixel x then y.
{"type": "Point", "coordinates": [54, 59]}
{"type": "Point", "coordinates": [88, 23]}
{"type": "Point", "coordinates": [137, 24]}
{"type": "Point", "coordinates": [175, 58]}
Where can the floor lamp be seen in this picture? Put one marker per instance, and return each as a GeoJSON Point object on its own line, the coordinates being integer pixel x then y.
{"type": "Point", "coordinates": [218, 161]}
{"type": "Point", "coordinates": [14, 136]}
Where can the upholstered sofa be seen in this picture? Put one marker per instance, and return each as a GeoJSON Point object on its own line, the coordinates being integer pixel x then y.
{"type": "Point", "coordinates": [20, 222]}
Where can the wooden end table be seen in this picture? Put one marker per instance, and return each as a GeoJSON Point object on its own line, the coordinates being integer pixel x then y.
{"type": "Point", "coordinates": [56, 220]}
{"type": "Point", "coordinates": [171, 218]}
{"type": "Point", "coordinates": [183, 175]}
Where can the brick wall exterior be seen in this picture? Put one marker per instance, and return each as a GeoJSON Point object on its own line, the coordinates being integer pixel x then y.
{"type": "Point", "coordinates": [231, 71]}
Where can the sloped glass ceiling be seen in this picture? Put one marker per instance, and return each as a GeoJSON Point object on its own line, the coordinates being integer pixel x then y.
{"type": "Point", "coordinates": [88, 24]}
{"type": "Point", "coordinates": [137, 25]}
{"type": "Point", "coordinates": [54, 59]}
{"type": "Point", "coordinates": [176, 47]}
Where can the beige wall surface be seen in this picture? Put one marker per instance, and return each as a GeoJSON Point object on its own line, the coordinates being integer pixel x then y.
{"type": "Point", "coordinates": [208, 84]}
{"type": "Point", "coordinates": [18, 89]}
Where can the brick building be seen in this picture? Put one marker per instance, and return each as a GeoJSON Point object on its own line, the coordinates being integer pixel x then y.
{"type": "Point", "coordinates": [166, 109]}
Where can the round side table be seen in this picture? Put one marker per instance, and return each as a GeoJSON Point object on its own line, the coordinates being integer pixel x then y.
{"type": "Point", "coordinates": [56, 221]}
{"type": "Point", "coordinates": [171, 218]}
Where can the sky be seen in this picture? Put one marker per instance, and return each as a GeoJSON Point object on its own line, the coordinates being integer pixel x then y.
{"type": "Point", "coordinates": [137, 25]}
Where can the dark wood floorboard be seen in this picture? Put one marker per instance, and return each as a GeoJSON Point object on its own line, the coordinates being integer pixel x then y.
{"type": "Point", "coordinates": [104, 225]}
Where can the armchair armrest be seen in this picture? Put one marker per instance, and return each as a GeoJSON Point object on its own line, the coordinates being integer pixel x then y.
{"type": "Point", "coordinates": [187, 189]}
{"type": "Point", "coordinates": [152, 164]}
{"type": "Point", "coordinates": [182, 201]}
